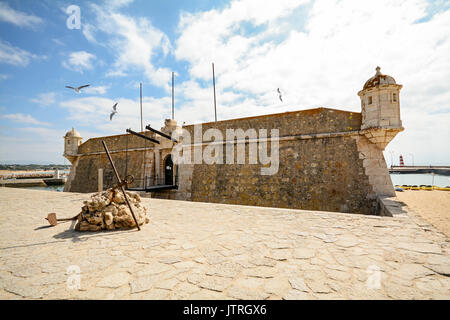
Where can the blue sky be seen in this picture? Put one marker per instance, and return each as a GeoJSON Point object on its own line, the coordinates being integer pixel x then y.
{"type": "Point", "coordinates": [319, 53]}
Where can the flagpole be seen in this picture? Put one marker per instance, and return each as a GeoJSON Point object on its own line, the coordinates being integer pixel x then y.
{"type": "Point", "coordinates": [173, 97]}
{"type": "Point", "coordinates": [214, 85]}
{"type": "Point", "coordinates": [142, 126]}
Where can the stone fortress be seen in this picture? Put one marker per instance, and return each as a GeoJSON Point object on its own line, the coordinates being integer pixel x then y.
{"type": "Point", "coordinates": [329, 160]}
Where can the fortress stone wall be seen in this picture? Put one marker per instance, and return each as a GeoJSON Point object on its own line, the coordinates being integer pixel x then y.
{"type": "Point", "coordinates": [329, 160]}
{"type": "Point", "coordinates": [325, 164]}
{"type": "Point", "coordinates": [131, 155]}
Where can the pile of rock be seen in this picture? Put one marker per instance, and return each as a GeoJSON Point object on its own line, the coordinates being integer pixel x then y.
{"type": "Point", "coordinates": [108, 210]}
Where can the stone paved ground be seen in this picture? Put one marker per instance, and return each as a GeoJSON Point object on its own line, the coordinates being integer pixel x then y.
{"type": "Point", "coordinates": [212, 251]}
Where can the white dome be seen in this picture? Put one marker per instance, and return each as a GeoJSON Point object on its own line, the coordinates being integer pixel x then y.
{"type": "Point", "coordinates": [378, 79]}
{"type": "Point", "coordinates": [73, 133]}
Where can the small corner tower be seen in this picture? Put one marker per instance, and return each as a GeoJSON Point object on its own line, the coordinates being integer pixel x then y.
{"type": "Point", "coordinates": [72, 140]}
{"type": "Point", "coordinates": [170, 125]}
{"type": "Point", "coordinates": [380, 104]}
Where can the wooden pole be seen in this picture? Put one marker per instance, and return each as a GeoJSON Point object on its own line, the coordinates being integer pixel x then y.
{"type": "Point", "coordinates": [214, 85]}
{"type": "Point", "coordinates": [142, 125]}
{"type": "Point", "coordinates": [100, 180]}
{"type": "Point", "coordinates": [173, 97]}
{"type": "Point", "coordinates": [120, 184]}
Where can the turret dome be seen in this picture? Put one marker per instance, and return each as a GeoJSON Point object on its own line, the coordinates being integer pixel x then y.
{"type": "Point", "coordinates": [378, 79]}
{"type": "Point", "coordinates": [72, 133]}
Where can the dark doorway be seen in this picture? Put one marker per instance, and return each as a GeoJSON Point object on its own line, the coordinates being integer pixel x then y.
{"type": "Point", "coordinates": [168, 171]}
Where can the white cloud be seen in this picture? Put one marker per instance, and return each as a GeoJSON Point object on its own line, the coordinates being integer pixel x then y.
{"type": "Point", "coordinates": [23, 118]}
{"type": "Point", "coordinates": [14, 56]}
{"type": "Point", "coordinates": [47, 133]}
{"type": "Point", "coordinates": [134, 42]}
{"type": "Point", "coordinates": [88, 32]}
{"type": "Point", "coordinates": [4, 76]}
{"type": "Point", "coordinates": [217, 35]}
{"type": "Point", "coordinates": [45, 99]}
{"type": "Point", "coordinates": [94, 113]}
{"type": "Point", "coordinates": [58, 42]}
{"type": "Point", "coordinates": [79, 61]}
{"type": "Point", "coordinates": [21, 19]}
{"type": "Point", "coordinates": [96, 90]}
{"type": "Point", "coordinates": [117, 3]}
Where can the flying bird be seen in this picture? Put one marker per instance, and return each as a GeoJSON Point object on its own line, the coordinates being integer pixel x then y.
{"type": "Point", "coordinates": [113, 112]}
{"type": "Point", "coordinates": [279, 94]}
{"type": "Point", "coordinates": [77, 90]}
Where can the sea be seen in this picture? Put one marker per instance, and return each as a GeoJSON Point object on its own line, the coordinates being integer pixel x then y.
{"type": "Point", "coordinates": [420, 179]}
{"type": "Point", "coordinates": [48, 188]}
{"type": "Point", "coordinates": [397, 179]}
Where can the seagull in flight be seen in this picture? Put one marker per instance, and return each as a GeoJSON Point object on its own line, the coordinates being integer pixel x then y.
{"type": "Point", "coordinates": [77, 89]}
{"type": "Point", "coordinates": [279, 94]}
{"type": "Point", "coordinates": [113, 112]}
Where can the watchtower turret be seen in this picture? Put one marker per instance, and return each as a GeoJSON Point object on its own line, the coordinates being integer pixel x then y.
{"type": "Point", "coordinates": [72, 140]}
{"type": "Point", "coordinates": [380, 104]}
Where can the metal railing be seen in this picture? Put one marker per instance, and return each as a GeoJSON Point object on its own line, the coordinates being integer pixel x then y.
{"type": "Point", "coordinates": [150, 181]}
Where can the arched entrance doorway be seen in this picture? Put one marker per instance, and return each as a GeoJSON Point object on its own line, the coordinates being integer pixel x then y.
{"type": "Point", "coordinates": [168, 170]}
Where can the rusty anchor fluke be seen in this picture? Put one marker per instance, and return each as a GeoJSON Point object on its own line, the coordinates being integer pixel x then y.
{"type": "Point", "coordinates": [51, 218]}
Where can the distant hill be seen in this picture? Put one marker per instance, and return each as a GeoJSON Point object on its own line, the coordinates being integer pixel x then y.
{"type": "Point", "coordinates": [18, 167]}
